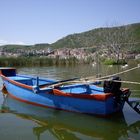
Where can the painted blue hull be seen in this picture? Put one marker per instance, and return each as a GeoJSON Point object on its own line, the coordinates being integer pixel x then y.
{"type": "Point", "coordinates": [23, 88]}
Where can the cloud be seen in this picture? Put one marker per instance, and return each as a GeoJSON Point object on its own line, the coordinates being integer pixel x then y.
{"type": "Point", "coordinates": [5, 42]}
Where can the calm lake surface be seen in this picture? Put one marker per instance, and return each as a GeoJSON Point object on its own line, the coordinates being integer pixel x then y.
{"type": "Point", "coordinates": [20, 121]}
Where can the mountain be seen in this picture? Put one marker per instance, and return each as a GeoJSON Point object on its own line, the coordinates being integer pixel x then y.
{"type": "Point", "coordinates": [128, 36]}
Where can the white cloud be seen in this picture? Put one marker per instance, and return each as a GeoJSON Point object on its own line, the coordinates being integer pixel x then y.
{"type": "Point", "coordinates": [5, 42]}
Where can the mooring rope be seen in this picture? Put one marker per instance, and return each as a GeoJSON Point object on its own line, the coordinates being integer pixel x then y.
{"type": "Point", "coordinates": [90, 80]}
{"type": "Point", "coordinates": [135, 90]}
{"type": "Point", "coordinates": [107, 76]}
{"type": "Point", "coordinates": [127, 82]}
{"type": "Point", "coordinates": [93, 82]}
{"type": "Point", "coordinates": [101, 80]}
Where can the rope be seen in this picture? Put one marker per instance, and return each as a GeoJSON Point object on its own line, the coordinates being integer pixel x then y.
{"type": "Point", "coordinates": [127, 82]}
{"type": "Point", "coordinates": [101, 80]}
{"type": "Point", "coordinates": [135, 90]}
{"type": "Point", "coordinates": [107, 76]}
{"type": "Point", "coordinates": [93, 79]}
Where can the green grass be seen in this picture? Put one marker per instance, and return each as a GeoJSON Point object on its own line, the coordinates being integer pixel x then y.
{"type": "Point", "coordinates": [36, 61]}
{"type": "Point", "coordinates": [113, 62]}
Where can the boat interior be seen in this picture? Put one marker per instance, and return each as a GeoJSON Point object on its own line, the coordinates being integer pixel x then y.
{"type": "Point", "coordinates": [72, 88]}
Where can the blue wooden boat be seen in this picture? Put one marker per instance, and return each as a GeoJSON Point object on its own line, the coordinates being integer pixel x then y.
{"type": "Point", "coordinates": [82, 98]}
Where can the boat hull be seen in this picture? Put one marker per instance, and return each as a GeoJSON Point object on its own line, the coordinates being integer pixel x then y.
{"type": "Point", "coordinates": [45, 99]}
{"type": "Point", "coordinates": [95, 102]}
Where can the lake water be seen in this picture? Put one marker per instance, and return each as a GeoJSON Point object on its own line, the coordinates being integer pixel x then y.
{"type": "Point", "coordinates": [20, 121]}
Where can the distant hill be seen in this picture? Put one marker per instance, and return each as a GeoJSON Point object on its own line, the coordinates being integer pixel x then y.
{"type": "Point", "coordinates": [15, 47]}
{"type": "Point", "coordinates": [99, 36]}
{"type": "Point", "coordinates": [128, 35]}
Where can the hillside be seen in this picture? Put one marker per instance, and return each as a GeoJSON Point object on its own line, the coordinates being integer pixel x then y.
{"type": "Point", "coordinates": [129, 34]}
{"type": "Point", "coordinates": [127, 37]}
{"type": "Point", "coordinates": [15, 47]}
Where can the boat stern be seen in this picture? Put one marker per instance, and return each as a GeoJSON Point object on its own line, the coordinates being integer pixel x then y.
{"type": "Point", "coordinates": [5, 71]}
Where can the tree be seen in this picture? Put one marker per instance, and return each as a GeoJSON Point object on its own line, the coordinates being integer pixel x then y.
{"type": "Point", "coordinates": [116, 40]}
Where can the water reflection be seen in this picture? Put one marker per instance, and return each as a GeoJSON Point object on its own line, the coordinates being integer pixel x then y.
{"type": "Point", "coordinates": [72, 126]}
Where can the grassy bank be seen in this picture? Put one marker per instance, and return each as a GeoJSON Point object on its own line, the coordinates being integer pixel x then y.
{"type": "Point", "coordinates": [37, 61]}
{"type": "Point", "coordinates": [113, 62]}
{"type": "Point", "coordinates": [44, 61]}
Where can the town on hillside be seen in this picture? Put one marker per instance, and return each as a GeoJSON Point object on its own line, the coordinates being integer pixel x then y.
{"type": "Point", "coordinates": [66, 53]}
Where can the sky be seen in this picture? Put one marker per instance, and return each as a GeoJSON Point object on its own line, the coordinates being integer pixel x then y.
{"type": "Point", "coordinates": [46, 21]}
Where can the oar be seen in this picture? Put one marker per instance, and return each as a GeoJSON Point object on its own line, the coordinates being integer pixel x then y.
{"type": "Point", "coordinates": [135, 105]}
{"type": "Point", "coordinates": [58, 82]}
